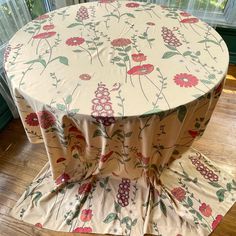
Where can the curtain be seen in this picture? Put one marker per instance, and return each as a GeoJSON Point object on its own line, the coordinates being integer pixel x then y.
{"type": "Point", "coordinates": [211, 11]}
{"type": "Point", "coordinates": [13, 15]}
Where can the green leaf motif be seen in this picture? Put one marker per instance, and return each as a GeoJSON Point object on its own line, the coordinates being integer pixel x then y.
{"type": "Point", "coordinates": [211, 76]}
{"type": "Point", "coordinates": [61, 107]}
{"type": "Point", "coordinates": [182, 113]}
{"type": "Point", "coordinates": [199, 216]}
{"type": "Point", "coordinates": [229, 186]}
{"type": "Point", "coordinates": [128, 134]}
{"type": "Point", "coordinates": [134, 222]}
{"type": "Point", "coordinates": [36, 198]}
{"type": "Point", "coordinates": [63, 60]}
{"type": "Point", "coordinates": [206, 81]}
{"type": "Point", "coordinates": [102, 185]}
{"type": "Point", "coordinates": [127, 49]}
{"type": "Point", "coordinates": [111, 217]}
{"type": "Point", "coordinates": [130, 15]}
{"type": "Point", "coordinates": [74, 110]}
{"type": "Point", "coordinates": [40, 60]}
{"type": "Point", "coordinates": [221, 194]}
{"type": "Point", "coordinates": [187, 53]}
{"type": "Point", "coordinates": [77, 50]}
{"type": "Point", "coordinates": [214, 184]}
{"type": "Point", "coordinates": [97, 133]}
{"type": "Point", "coordinates": [155, 110]}
{"type": "Point", "coordinates": [116, 59]}
{"type": "Point", "coordinates": [120, 64]}
{"type": "Point", "coordinates": [125, 220]}
{"type": "Point", "coordinates": [190, 202]}
{"type": "Point", "coordinates": [68, 99]}
{"type": "Point", "coordinates": [171, 47]}
{"type": "Point", "coordinates": [169, 55]}
{"type": "Point", "coordinates": [163, 208]}
{"type": "Point", "coordinates": [73, 25]}
{"type": "Point", "coordinates": [117, 207]}
{"type": "Point", "coordinates": [208, 41]}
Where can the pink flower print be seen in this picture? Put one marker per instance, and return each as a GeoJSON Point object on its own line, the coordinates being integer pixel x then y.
{"type": "Point", "coordinates": [48, 27]}
{"type": "Point", "coordinates": [46, 119]}
{"type": "Point", "coordinates": [83, 230]}
{"type": "Point", "coordinates": [151, 23]}
{"type": "Point", "coordinates": [44, 35]}
{"type": "Point", "coordinates": [205, 210]}
{"type": "Point", "coordinates": [132, 4]}
{"type": "Point", "coordinates": [123, 193]}
{"type": "Point", "coordinates": [105, 157]}
{"type": "Point", "coordinates": [139, 57]}
{"type": "Point", "coordinates": [141, 70]}
{"type": "Point", "coordinates": [86, 215]}
{"type": "Point", "coordinates": [61, 159]}
{"type": "Point", "coordinates": [185, 14]}
{"type": "Point", "coordinates": [43, 17]}
{"type": "Point", "coordinates": [193, 133]}
{"type": "Point", "coordinates": [106, 1]}
{"type": "Point", "coordinates": [7, 53]}
{"type": "Point", "coordinates": [85, 77]}
{"type": "Point", "coordinates": [179, 193]}
{"type": "Point", "coordinates": [186, 80]}
{"type": "Point", "coordinates": [38, 225]}
{"type": "Point", "coordinates": [85, 188]}
{"type": "Point", "coordinates": [75, 41]}
{"type": "Point", "coordinates": [169, 37]}
{"type": "Point", "coordinates": [32, 119]}
{"type": "Point", "coordinates": [121, 42]}
{"type": "Point", "coordinates": [216, 221]}
{"type": "Point", "coordinates": [64, 178]}
{"type": "Point", "coordinates": [82, 13]}
{"type": "Point", "coordinates": [102, 107]}
{"type": "Point", "coordinates": [190, 20]}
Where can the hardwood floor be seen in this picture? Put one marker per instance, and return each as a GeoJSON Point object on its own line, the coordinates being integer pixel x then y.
{"type": "Point", "coordinates": [20, 162]}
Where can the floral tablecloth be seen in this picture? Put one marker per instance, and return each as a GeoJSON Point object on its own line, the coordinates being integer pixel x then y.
{"type": "Point", "coordinates": [114, 88]}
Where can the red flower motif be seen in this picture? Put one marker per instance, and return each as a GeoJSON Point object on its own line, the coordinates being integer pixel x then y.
{"type": "Point", "coordinates": [61, 159]}
{"type": "Point", "coordinates": [151, 23]}
{"type": "Point", "coordinates": [219, 88]}
{"type": "Point", "coordinates": [141, 70]}
{"type": "Point", "coordinates": [106, 1]}
{"type": "Point", "coordinates": [139, 57]}
{"type": "Point", "coordinates": [85, 77]}
{"type": "Point", "coordinates": [185, 80]}
{"type": "Point", "coordinates": [46, 119]}
{"type": "Point", "coordinates": [85, 188]}
{"type": "Point", "coordinates": [83, 230]}
{"type": "Point", "coordinates": [205, 210]}
{"type": "Point", "coordinates": [43, 17]}
{"type": "Point", "coordinates": [39, 225]}
{"type": "Point", "coordinates": [179, 193]}
{"type": "Point", "coordinates": [104, 158]}
{"type": "Point", "coordinates": [193, 133]}
{"type": "Point", "coordinates": [62, 179]}
{"type": "Point", "coordinates": [120, 42]}
{"type": "Point", "coordinates": [216, 221]}
{"type": "Point", "coordinates": [132, 4]}
{"type": "Point", "coordinates": [48, 27]}
{"type": "Point", "coordinates": [86, 215]}
{"type": "Point", "coordinates": [44, 35]}
{"type": "Point", "coordinates": [32, 119]}
{"type": "Point", "coordinates": [189, 20]}
{"type": "Point", "coordinates": [185, 14]}
{"type": "Point", "coordinates": [75, 41]}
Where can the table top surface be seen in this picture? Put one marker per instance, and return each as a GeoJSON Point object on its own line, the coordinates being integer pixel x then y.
{"type": "Point", "coordinates": [115, 58]}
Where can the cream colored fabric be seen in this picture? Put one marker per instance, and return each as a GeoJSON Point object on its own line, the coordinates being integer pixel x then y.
{"type": "Point", "coordinates": [195, 196]}
{"type": "Point", "coordinates": [115, 88]}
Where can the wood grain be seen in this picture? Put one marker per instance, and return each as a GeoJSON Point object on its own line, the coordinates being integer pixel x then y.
{"type": "Point", "coordinates": [20, 162]}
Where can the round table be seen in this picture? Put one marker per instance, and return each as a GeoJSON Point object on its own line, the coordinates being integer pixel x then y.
{"type": "Point", "coordinates": [115, 88]}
